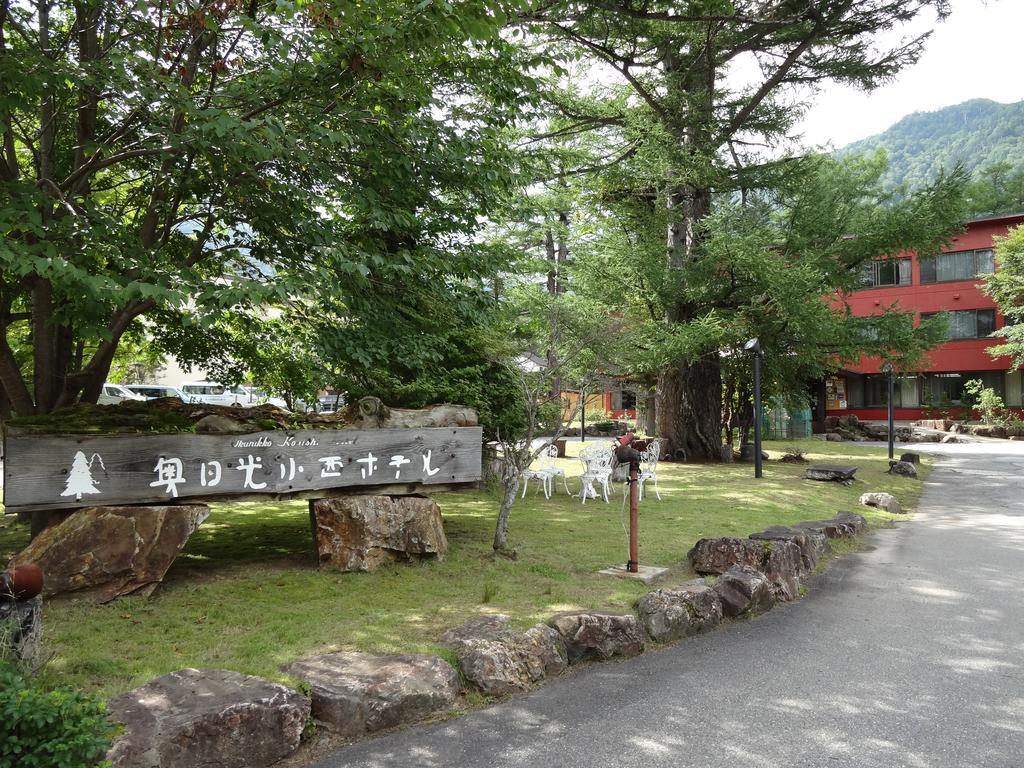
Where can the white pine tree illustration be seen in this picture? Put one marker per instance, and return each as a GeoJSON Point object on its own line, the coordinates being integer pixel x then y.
{"type": "Point", "coordinates": [80, 478]}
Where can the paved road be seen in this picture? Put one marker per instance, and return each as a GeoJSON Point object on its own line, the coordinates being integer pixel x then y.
{"type": "Point", "coordinates": [910, 654]}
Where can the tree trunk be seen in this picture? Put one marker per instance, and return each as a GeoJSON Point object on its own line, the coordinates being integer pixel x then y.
{"type": "Point", "coordinates": [690, 409]}
{"type": "Point", "coordinates": [690, 391]}
{"type": "Point", "coordinates": [649, 420]}
{"type": "Point", "coordinates": [511, 484]}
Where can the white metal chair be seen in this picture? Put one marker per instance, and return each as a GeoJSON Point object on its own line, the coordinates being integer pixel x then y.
{"type": "Point", "coordinates": [649, 466]}
{"type": "Point", "coordinates": [546, 473]}
{"type": "Point", "coordinates": [597, 468]}
{"type": "Point", "coordinates": [648, 469]}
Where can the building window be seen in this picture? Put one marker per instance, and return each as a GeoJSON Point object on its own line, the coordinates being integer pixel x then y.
{"type": "Point", "coordinates": [962, 265]}
{"type": "Point", "coordinates": [968, 323]}
{"type": "Point", "coordinates": [942, 389]}
{"type": "Point", "coordinates": [876, 387]}
{"type": "Point", "coordinates": [884, 272]}
{"type": "Point", "coordinates": [628, 400]}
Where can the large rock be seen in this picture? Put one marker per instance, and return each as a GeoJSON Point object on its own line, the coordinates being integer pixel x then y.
{"type": "Point", "coordinates": [743, 590]}
{"type": "Point", "coordinates": [362, 533]}
{"type": "Point", "coordinates": [783, 565]}
{"type": "Point", "coordinates": [831, 472]}
{"type": "Point", "coordinates": [884, 501]}
{"type": "Point", "coordinates": [843, 526]}
{"type": "Point", "coordinates": [812, 544]}
{"type": "Point", "coordinates": [105, 552]}
{"type": "Point", "coordinates": [500, 660]}
{"type": "Point", "coordinates": [780, 560]}
{"type": "Point", "coordinates": [851, 520]}
{"type": "Point", "coordinates": [356, 693]}
{"type": "Point", "coordinates": [211, 718]}
{"type": "Point", "coordinates": [903, 468]}
{"type": "Point", "coordinates": [671, 614]}
{"type": "Point", "coordinates": [913, 458]}
{"type": "Point", "coordinates": [600, 636]}
{"type": "Point", "coordinates": [714, 556]}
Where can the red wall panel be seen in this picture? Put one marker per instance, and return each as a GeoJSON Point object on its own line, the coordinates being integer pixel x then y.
{"type": "Point", "coordinates": [959, 355]}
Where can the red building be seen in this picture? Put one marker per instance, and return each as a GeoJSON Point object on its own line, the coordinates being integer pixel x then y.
{"type": "Point", "coordinates": [947, 283]}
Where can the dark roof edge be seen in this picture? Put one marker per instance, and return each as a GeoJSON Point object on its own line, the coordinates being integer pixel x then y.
{"type": "Point", "coordinates": [995, 217]}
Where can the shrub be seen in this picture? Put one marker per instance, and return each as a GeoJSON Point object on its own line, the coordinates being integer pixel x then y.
{"type": "Point", "coordinates": [62, 728]}
{"type": "Point", "coordinates": [988, 402]}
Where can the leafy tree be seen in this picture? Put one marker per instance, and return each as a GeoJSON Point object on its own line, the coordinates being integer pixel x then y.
{"type": "Point", "coordinates": [988, 403]}
{"type": "Point", "coordinates": [996, 189]}
{"type": "Point", "coordinates": [137, 360]}
{"type": "Point", "coordinates": [693, 126]}
{"type": "Point", "coordinates": [769, 265]}
{"type": "Point", "coordinates": [1006, 286]}
{"type": "Point", "coordinates": [585, 344]}
{"type": "Point", "coordinates": [195, 158]}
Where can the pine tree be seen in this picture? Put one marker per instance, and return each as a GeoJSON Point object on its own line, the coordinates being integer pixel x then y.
{"type": "Point", "coordinates": [699, 132]}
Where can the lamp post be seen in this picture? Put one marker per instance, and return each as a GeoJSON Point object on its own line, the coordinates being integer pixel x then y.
{"type": "Point", "coordinates": [888, 371]}
{"type": "Point", "coordinates": [754, 345]}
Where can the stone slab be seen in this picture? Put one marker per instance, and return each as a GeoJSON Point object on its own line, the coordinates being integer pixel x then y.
{"type": "Point", "coordinates": [647, 574]}
{"type": "Point", "coordinates": [213, 718]}
{"type": "Point", "coordinates": [837, 472]}
{"type": "Point", "coordinates": [362, 533]}
{"type": "Point", "coordinates": [106, 552]}
{"type": "Point", "coordinates": [356, 693]}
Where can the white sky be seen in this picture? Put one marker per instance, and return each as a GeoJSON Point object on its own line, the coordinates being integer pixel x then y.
{"type": "Point", "coordinates": [978, 52]}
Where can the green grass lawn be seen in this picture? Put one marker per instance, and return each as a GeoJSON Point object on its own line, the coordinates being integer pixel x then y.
{"type": "Point", "coordinates": [245, 594]}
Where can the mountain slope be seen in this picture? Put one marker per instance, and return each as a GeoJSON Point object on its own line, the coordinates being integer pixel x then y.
{"type": "Point", "coordinates": [977, 133]}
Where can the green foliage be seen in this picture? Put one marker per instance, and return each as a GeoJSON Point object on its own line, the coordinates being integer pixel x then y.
{"type": "Point", "coordinates": [212, 159]}
{"type": "Point", "coordinates": [61, 728]}
{"type": "Point", "coordinates": [765, 265]}
{"type": "Point", "coordinates": [138, 360]}
{"type": "Point", "coordinates": [984, 137]}
{"type": "Point", "coordinates": [997, 188]}
{"type": "Point", "coordinates": [988, 403]}
{"type": "Point", "coordinates": [678, 140]}
{"type": "Point", "coordinates": [1006, 286]}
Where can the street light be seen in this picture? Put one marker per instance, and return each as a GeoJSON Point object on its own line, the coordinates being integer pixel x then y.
{"type": "Point", "coordinates": [888, 371]}
{"type": "Point", "coordinates": [754, 345]}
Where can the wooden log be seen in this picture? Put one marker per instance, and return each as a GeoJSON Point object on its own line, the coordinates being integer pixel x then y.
{"type": "Point", "coordinates": [373, 414]}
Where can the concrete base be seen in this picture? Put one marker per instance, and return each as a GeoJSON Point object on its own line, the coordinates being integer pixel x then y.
{"type": "Point", "coordinates": [646, 573]}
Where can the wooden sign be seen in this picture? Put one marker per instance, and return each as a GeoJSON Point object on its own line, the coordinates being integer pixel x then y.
{"type": "Point", "coordinates": [72, 471]}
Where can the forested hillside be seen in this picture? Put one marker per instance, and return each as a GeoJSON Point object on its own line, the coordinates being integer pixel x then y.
{"type": "Point", "coordinates": [985, 136]}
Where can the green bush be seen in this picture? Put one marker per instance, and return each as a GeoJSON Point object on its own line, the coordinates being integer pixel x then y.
{"type": "Point", "coordinates": [988, 403]}
{"type": "Point", "coordinates": [62, 728]}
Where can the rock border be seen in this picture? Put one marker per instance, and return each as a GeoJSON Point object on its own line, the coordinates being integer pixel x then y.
{"type": "Point", "coordinates": [495, 659]}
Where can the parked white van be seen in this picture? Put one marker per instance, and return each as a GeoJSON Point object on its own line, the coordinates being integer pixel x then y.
{"type": "Point", "coordinates": [212, 393]}
{"type": "Point", "coordinates": [113, 394]}
{"type": "Point", "coordinates": [153, 391]}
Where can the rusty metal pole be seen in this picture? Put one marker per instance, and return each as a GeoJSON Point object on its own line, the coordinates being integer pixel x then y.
{"type": "Point", "coordinates": [633, 566]}
{"type": "Point", "coordinates": [624, 453]}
